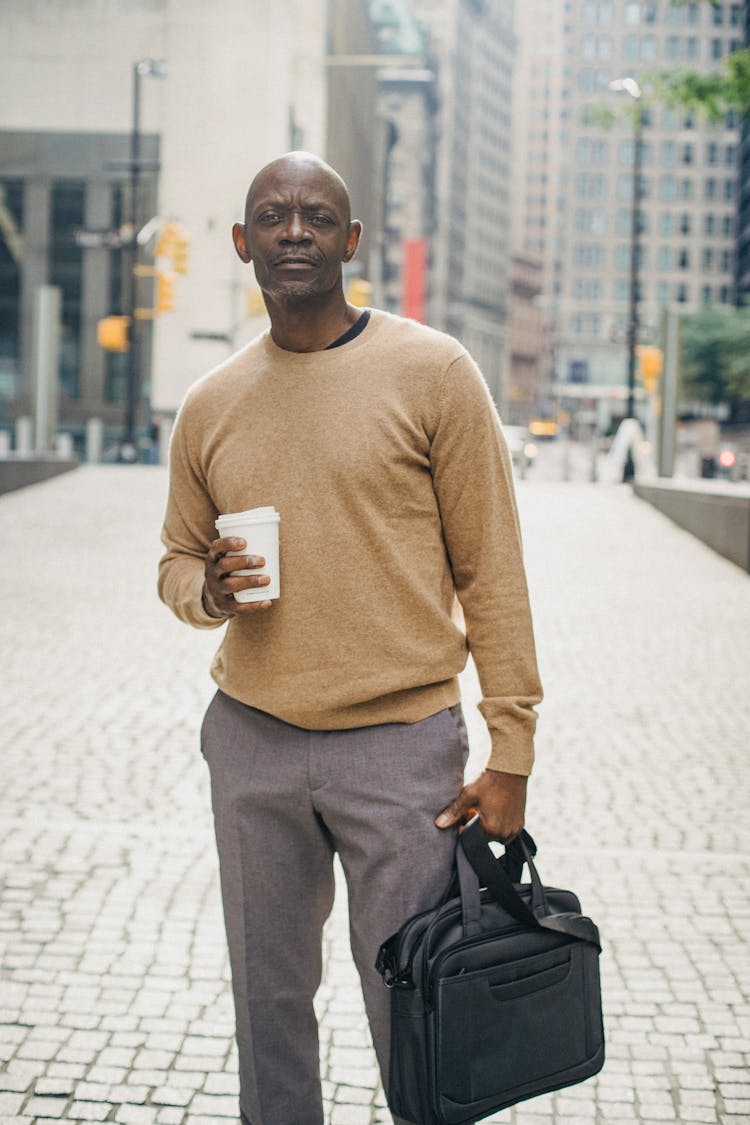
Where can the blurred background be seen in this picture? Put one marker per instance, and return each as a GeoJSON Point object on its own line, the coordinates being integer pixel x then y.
{"type": "Point", "coordinates": [564, 185]}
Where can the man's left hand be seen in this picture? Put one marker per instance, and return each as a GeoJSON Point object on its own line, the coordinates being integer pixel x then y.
{"type": "Point", "coordinates": [498, 798]}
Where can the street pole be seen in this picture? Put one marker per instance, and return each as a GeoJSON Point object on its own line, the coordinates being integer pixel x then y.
{"type": "Point", "coordinates": [128, 450]}
{"type": "Point", "coordinates": [153, 68]}
{"type": "Point", "coordinates": [630, 87]}
{"type": "Point", "coordinates": [635, 255]}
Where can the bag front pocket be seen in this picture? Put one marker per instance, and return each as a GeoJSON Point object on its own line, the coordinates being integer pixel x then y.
{"type": "Point", "coordinates": [501, 1029]}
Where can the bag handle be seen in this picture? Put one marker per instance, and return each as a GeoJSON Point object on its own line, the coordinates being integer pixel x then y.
{"type": "Point", "coordinates": [493, 874]}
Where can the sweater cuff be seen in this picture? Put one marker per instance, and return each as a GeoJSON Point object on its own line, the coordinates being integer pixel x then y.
{"type": "Point", "coordinates": [509, 758]}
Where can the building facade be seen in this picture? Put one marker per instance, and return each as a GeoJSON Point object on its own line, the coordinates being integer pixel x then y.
{"type": "Point", "coordinates": [242, 81]}
{"type": "Point", "coordinates": [687, 182]}
{"type": "Point", "coordinates": [743, 207]}
{"type": "Point", "coordinates": [472, 47]}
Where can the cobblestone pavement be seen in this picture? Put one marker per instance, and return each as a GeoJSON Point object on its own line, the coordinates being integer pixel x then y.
{"type": "Point", "coordinates": [114, 999]}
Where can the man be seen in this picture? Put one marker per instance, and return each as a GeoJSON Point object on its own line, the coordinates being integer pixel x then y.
{"type": "Point", "coordinates": [337, 724]}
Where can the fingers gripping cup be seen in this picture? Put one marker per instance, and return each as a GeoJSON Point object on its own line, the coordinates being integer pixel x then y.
{"type": "Point", "coordinates": [259, 527]}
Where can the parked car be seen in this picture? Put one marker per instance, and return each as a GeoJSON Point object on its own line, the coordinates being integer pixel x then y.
{"type": "Point", "coordinates": [523, 450]}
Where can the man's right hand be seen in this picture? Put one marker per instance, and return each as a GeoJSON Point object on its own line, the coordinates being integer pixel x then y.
{"type": "Point", "coordinates": [221, 582]}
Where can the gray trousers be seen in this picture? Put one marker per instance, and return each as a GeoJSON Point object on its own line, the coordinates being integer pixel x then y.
{"type": "Point", "coordinates": [285, 800]}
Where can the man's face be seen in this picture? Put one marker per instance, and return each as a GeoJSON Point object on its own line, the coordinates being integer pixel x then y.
{"type": "Point", "coordinates": [297, 230]}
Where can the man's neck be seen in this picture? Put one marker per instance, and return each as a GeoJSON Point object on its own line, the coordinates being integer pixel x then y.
{"type": "Point", "coordinates": [305, 326]}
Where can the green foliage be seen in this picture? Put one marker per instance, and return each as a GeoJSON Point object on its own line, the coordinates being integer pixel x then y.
{"type": "Point", "coordinates": [713, 94]}
{"type": "Point", "coordinates": [715, 354]}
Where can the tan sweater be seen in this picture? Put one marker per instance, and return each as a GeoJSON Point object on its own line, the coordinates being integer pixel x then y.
{"type": "Point", "coordinates": [386, 462]}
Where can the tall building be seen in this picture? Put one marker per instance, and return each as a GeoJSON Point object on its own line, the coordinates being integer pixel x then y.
{"type": "Point", "coordinates": [688, 180]}
{"type": "Point", "coordinates": [472, 46]}
{"type": "Point", "coordinates": [242, 81]}
{"type": "Point", "coordinates": [743, 207]}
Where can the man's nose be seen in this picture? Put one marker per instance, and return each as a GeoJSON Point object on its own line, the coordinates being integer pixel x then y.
{"type": "Point", "coordinates": [295, 228]}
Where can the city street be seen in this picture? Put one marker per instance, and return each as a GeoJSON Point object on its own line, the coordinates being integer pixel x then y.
{"type": "Point", "coordinates": [114, 992]}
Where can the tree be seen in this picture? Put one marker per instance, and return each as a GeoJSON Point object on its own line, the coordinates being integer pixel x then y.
{"type": "Point", "coordinates": [713, 94]}
{"type": "Point", "coordinates": [715, 356]}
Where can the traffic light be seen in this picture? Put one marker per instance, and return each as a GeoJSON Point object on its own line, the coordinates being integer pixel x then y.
{"type": "Point", "coordinates": [650, 362]}
{"type": "Point", "coordinates": [164, 291]}
{"type": "Point", "coordinates": [359, 292]}
{"type": "Point", "coordinates": [165, 241]}
{"type": "Point", "coordinates": [180, 252]}
{"type": "Point", "coordinates": [112, 333]}
{"type": "Point", "coordinates": [174, 243]}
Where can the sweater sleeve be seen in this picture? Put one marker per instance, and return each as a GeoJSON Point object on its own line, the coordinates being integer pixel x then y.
{"type": "Point", "coordinates": [473, 481]}
{"type": "Point", "coordinates": [187, 533]}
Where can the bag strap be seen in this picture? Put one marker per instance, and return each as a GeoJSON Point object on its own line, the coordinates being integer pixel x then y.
{"type": "Point", "coordinates": [493, 875]}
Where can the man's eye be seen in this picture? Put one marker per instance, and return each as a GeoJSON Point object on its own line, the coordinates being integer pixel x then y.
{"type": "Point", "coordinates": [320, 220]}
{"type": "Point", "coordinates": [269, 217]}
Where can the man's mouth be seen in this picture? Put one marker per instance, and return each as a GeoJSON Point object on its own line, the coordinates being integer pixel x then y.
{"type": "Point", "coordinates": [294, 261]}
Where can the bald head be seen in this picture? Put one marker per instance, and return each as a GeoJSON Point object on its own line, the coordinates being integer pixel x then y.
{"type": "Point", "coordinates": [296, 168]}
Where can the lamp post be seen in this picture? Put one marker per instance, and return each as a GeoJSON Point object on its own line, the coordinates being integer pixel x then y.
{"type": "Point", "coordinates": [630, 87]}
{"type": "Point", "coordinates": [142, 68]}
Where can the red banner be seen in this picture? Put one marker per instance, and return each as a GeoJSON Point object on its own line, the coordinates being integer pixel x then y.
{"type": "Point", "coordinates": [414, 279]}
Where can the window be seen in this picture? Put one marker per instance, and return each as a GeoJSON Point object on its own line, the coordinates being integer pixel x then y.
{"type": "Point", "coordinates": [648, 48]}
{"type": "Point", "coordinates": [665, 258]}
{"type": "Point", "coordinates": [706, 294]}
{"type": "Point", "coordinates": [624, 187]}
{"type": "Point", "coordinates": [712, 153]}
{"type": "Point", "coordinates": [588, 254]}
{"type": "Point", "coordinates": [716, 49]}
{"type": "Point", "coordinates": [683, 260]}
{"type": "Point", "coordinates": [667, 188]}
{"type": "Point", "coordinates": [669, 153]}
{"type": "Point", "coordinates": [621, 289]}
{"type": "Point", "coordinates": [692, 48]}
{"type": "Point", "coordinates": [708, 258]}
{"type": "Point", "coordinates": [672, 47]}
{"type": "Point", "coordinates": [730, 155]}
{"type": "Point", "coordinates": [688, 153]}
{"type": "Point", "coordinates": [685, 224]}
{"type": "Point", "coordinates": [11, 195]}
{"type": "Point", "coordinates": [718, 15]}
{"type": "Point", "coordinates": [735, 11]}
{"type": "Point", "coordinates": [709, 224]}
{"type": "Point", "coordinates": [726, 260]}
{"type": "Point", "coordinates": [622, 257]}
{"type": "Point", "coordinates": [662, 292]}
{"type": "Point", "coordinates": [682, 294]}
{"type": "Point", "coordinates": [66, 271]}
{"type": "Point", "coordinates": [633, 14]}
{"type": "Point", "coordinates": [630, 48]}
{"type": "Point", "coordinates": [623, 222]}
{"type": "Point", "coordinates": [727, 226]}
{"type": "Point", "coordinates": [725, 295]}
{"type": "Point", "coordinates": [729, 190]}
{"type": "Point", "coordinates": [666, 223]}
{"type": "Point", "coordinates": [686, 189]}
{"type": "Point", "coordinates": [709, 190]}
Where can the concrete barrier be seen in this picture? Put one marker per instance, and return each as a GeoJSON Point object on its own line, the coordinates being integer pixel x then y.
{"type": "Point", "coordinates": [18, 472]}
{"type": "Point", "coordinates": [717, 512]}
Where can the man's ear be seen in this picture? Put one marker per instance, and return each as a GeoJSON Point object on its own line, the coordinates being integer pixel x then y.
{"type": "Point", "coordinates": [352, 239]}
{"type": "Point", "coordinates": [240, 242]}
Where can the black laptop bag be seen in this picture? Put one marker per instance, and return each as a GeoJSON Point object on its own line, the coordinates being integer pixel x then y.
{"type": "Point", "coordinates": [496, 995]}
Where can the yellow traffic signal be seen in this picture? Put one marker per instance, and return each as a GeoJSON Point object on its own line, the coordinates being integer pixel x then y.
{"type": "Point", "coordinates": [112, 333]}
{"type": "Point", "coordinates": [650, 362]}
{"type": "Point", "coordinates": [181, 253]}
{"type": "Point", "coordinates": [359, 292]}
{"type": "Point", "coordinates": [174, 243]}
{"type": "Point", "coordinates": [164, 291]}
{"type": "Point", "coordinates": [165, 242]}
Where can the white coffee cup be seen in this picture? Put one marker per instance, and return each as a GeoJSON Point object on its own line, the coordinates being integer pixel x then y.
{"type": "Point", "coordinates": [259, 527]}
